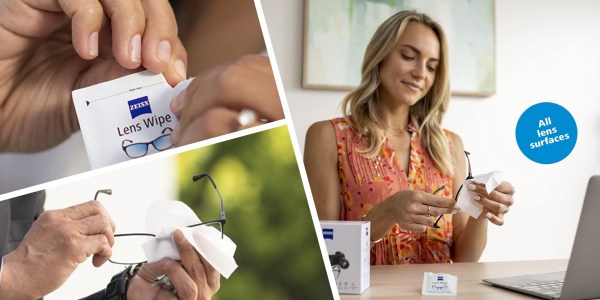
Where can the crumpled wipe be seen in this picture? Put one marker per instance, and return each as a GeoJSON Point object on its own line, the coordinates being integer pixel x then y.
{"type": "Point", "coordinates": [164, 217]}
{"type": "Point", "coordinates": [466, 198]}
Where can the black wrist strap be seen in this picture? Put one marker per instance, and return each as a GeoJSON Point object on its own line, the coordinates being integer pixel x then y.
{"type": "Point", "coordinates": [117, 288]}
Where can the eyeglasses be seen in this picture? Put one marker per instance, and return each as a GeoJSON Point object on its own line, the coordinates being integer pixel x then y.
{"type": "Point", "coordinates": [135, 150]}
{"type": "Point", "coordinates": [127, 246]}
{"type": "Point", "coordinates": [469, 176]}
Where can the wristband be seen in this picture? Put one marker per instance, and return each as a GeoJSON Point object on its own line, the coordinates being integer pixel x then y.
{"type": "Point", "coordinates": [117, 288]}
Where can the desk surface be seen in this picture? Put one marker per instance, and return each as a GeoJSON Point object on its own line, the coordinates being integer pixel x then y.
{"type": "Point", "coordinates": [405, 282]}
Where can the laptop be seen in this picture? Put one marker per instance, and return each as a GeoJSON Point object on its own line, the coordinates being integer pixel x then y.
{"type": "Point", "coordinates": [582, 278]}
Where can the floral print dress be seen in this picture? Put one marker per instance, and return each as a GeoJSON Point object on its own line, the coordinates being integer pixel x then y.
{"type": "Point", "coordinates": [365, 182]}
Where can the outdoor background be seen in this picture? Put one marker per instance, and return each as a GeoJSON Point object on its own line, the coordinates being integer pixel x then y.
{"type": "Point", "coordinates": [267, 214]}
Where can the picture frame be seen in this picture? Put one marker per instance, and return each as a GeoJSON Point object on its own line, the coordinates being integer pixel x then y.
{"type": "Point", "coordinates": [336, 33]}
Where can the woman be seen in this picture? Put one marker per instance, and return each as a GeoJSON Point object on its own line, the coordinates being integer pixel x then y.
{"type": "Point", "coordinates": [388, 156]}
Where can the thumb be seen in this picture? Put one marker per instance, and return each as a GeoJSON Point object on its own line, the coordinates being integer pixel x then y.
{"type": "Point", "coordinates": [150, 271]}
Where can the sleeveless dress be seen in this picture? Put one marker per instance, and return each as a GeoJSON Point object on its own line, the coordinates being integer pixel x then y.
{"type": "Point", "coordinates": [365, 182]}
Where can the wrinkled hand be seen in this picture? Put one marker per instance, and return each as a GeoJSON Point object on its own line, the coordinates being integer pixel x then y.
{"type": "Point", "coordinates": [497, 203]}
{"type": "Point", "coordinates": [416, 211]}
{"type": "Point", "coordinates": [54, 246]}
{"type": "Point", "coordinates": [211, 104]}
{"type": "Point", "coordinates": [51, 47]}
{"type": "Point", "coordinates": [193, 277]}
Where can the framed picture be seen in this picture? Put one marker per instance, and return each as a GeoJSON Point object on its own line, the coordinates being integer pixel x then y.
{"type": "Point", "coordinates": [336, 33]}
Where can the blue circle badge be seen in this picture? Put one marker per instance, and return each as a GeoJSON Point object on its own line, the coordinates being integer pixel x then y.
{"type": "Point", "coordinates": [546, 133]}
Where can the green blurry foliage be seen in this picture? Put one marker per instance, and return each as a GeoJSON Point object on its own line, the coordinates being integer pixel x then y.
{"type": "Point", "coordinates": [267, 216]}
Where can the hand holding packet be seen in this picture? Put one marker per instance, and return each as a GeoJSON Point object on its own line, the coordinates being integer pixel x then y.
{"type": "Point", "coordinates": [126, 118]}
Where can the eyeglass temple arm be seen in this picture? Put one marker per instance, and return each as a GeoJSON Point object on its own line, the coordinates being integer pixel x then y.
{"type": "Point", "coordinates": [104, 191]}
{"type": "Point", "coordinates": [470, 175]}
{"type": "Point", "coordinates": [198, 177]}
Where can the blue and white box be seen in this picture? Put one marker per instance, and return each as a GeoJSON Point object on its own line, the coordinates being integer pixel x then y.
{"type": "Point", "coordinates": [348, 245]}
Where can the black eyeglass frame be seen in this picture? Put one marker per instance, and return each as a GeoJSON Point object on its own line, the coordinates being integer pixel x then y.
{"type": "Point", "coordinates": [469, 176]}
{"type": "Point", "coordinates": [220, 221]}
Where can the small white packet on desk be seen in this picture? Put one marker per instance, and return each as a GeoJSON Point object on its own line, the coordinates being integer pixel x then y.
{"type": "Point", "coordinates": [126, 118]}
{"type": "Point", "coordinates": [438, 284]}
{"type": "Point", "coordinates": [164, 217]}
{"type": "Point", "coordinates": [466, 198]}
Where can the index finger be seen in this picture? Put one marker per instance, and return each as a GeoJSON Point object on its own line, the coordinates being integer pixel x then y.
{"type": "Point", "coordinates": [505, 188]}
{"type": "Point", "coordinates": [88, 209]}
{"type": "Point", "coordinates": [86, 16]}
{"type": "Point", "coordinates": [438, 201]}
{"type": "Point", "coordinates": [190, 259]}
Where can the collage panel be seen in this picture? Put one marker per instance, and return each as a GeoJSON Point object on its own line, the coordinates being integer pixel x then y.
{"type": "Point", "coordinates": [249, 189]}
{"type": "Point", "coordinates": [436, 149]}
{"type": "Point", "coordinates": [454, 129]}
{"type": "Point", "coordinates": [157, 75]}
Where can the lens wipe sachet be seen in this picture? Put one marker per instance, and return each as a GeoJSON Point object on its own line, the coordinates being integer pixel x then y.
{"type": "Point", "coordinates": [126, 118]}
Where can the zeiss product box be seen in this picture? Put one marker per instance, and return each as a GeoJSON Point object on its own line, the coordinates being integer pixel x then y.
{"type": "Point", "coordinates": [349, 245]}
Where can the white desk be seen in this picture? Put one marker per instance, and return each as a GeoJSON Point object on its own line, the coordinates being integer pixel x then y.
{"type": "Point", "coordinates": [405, 281]}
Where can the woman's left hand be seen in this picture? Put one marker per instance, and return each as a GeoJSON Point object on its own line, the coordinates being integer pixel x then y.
{"type": "Point", "coordinates": [497, 203]}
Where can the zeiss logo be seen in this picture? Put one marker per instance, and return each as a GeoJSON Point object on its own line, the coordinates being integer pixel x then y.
{"type": "Point", "coordinates": [139, 106]}
{"type": "Point", "coordinates": [328, 233]}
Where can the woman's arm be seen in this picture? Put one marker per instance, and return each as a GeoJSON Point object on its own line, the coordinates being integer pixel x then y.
{"type": "Point", "coordinates": [321, 162]}
{"type": "Point", "coordinates": [469, 235]}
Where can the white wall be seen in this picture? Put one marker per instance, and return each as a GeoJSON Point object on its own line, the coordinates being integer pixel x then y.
{"type": "Point", "coordinates": [22, 170]}
{"type": "Point", "coordinates": [134, 188]}
{"type": "Point", "coordinates": [547, 50]}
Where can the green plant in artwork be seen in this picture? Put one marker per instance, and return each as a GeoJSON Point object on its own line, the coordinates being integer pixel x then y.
{"type": "Point", "coordinates": [267, 216]}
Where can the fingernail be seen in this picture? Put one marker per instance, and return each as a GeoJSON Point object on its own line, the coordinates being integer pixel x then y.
{"type": "Point", "coordinates": [471, 187]}
{"type": "Point", "coordinates": [164, 51]}
{"type": "Point", "coordinates": [179, 236]}
{"type": "Point", "coordinates": [178, 102]}
{"type": "Point", "coordinates": [180, 69]}
{"type": "Point", "coordinates": [488, 215]}
{"type": "Point", "coordinates": [454, 211]}
{"type": "Point", "coordinates": [476, 197]}
{"type": "Point", "coordinates": [93, 44]}
{"type": "Point", "coordinates": [135, 48]}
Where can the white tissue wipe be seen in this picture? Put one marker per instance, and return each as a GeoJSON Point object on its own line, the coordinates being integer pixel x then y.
{"type": "Point", "coordinates": [466, 198]}
{"type": "Point", "coordinates": [164, 217]}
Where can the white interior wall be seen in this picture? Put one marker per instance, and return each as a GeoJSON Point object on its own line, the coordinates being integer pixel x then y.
{"type": "Point", "coordinates": [547, 50]}
{"type": "Point", "coordinates": [23, 170]}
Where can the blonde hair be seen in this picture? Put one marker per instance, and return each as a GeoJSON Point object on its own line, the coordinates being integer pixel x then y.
{"type": "Point", "coordinates": [426, 114]}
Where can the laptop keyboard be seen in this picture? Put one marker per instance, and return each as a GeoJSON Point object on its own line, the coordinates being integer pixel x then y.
{"type": "Point", "coordinates": [551, 288]}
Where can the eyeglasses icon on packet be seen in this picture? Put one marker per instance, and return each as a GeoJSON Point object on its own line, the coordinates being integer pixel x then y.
{"type": "Point", "coordinates": [162, 219]}
{"type": "Point", "coordinates": [161, 143]}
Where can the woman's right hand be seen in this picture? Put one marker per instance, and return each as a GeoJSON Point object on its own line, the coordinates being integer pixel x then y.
{"type": "Point", "coordinates": [412, 210]}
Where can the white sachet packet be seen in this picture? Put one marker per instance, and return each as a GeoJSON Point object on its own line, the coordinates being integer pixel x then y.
{"type": "Point", "coordinates": [126, 118]}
